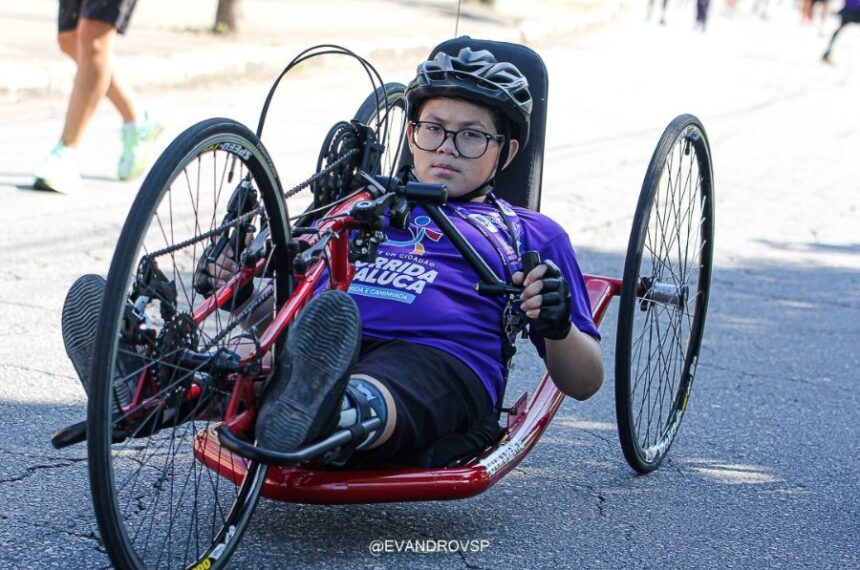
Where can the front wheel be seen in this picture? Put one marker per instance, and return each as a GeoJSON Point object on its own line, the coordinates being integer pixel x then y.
{"type": "Point", "coordinates": [664, 297]}
{"type": "Point", "coordinates": [157, 503]}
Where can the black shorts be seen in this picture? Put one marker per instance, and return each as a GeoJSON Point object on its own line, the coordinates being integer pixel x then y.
{"type": "Point", "coordinates": [116, 12]}
{"type": "Point", "coordinates": [435, 393]}
{"type": "Point", "coordinates": [850, 16]}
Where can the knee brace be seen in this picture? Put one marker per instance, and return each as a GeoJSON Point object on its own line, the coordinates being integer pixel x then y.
{"type": "Point", "coordinates": [362, 401]}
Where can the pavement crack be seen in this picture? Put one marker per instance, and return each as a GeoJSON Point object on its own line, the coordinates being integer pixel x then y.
{"type": "Point", "coordinates": [599, 436]}
{"type": "Point", "coordinates": [91, 535]}
{"type": "Point", "coordinates": [601, 498]}
{"type": "Point", "coordinates": [34, 469]}
{"type": "Point", "coordinates": [466, 562]}
{"type": "Point", "coordinates": [601, 501]}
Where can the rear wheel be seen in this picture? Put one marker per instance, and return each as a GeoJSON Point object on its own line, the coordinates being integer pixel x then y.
{"type": "Point", "coordinates": [156, 502]}
{"type": "Point", "coordinates": [664, 298]}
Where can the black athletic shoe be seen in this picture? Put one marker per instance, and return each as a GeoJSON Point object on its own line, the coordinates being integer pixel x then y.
{"type": "Point", "coordinates": [301, 404]}
{"type": "Point", "coordinates": [79, 322]}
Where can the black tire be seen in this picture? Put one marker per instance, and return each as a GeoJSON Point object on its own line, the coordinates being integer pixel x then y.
{"type": "Point", "coordinates": [664, 295]}
{"type": "Point", "coordinates": [156, 504]}
{"type": "Point", "coordinates": [385, 111]}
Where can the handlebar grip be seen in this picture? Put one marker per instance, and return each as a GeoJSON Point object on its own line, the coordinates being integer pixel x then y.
{"type": "Point", "coordinates": [530, 259]}
{"type": "Point", "coordinates": [426, 193]}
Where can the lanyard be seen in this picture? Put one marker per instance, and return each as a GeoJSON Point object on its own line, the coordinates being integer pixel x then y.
{"type": "Point", "coordinates": [513, 321]}
{"type": "Point", "coordinates": [507, 249]}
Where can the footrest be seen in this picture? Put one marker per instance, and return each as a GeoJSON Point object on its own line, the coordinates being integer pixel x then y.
{"type": "Point", "coordinates": [270, 457]}
{"type": "Point", "coordinates": [75, 433]}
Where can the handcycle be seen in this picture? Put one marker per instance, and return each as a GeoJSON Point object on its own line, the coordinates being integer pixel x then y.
{"type": "Point", "coordinates": [174, 471]}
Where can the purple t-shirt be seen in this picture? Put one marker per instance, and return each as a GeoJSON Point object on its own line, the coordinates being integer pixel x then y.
{"type": "Point", "coordinates": [421, 290]}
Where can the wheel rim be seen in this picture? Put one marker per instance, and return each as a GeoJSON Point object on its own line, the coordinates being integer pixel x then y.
{"type": "Point", "coordinates": [165, 508]}
{"type": "Point", "coordinates": [666, 318]}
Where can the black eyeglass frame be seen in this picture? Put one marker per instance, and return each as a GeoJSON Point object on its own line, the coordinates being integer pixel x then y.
{"type": "Point", "coordinates": [487, 138]}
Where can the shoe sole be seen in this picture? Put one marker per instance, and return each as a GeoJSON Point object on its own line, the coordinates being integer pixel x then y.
{"type": "Point", "coordinates": [79, 321]}
{"type": "Point", "coordinates": [323, 346]}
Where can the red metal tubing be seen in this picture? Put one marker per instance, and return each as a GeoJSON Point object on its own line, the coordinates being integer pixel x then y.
{"type": "Point", "coordinates": [310, 484]}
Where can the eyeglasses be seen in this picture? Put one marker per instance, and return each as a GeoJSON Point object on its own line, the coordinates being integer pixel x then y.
{"type": "Point", "coordinates": [470, 143]}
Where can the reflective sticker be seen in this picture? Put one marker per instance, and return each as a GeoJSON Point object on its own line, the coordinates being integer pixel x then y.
{"type": "Point", "coordinates": [219, 549]}
{"type": "Point", "coordinates": [503, 455]}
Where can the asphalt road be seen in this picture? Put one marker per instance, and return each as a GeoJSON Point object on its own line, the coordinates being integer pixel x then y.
{"type": "Point", "coordinates": [763, 473]}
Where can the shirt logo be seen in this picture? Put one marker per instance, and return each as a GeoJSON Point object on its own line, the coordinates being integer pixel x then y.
{"type": "Point", "coordinates": [419, 230]}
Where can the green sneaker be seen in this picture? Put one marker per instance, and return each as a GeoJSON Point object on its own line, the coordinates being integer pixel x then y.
{"type": "Point", "coordinates": [59, 172]}
{"type": "Point", "coordinates": [137, 139]}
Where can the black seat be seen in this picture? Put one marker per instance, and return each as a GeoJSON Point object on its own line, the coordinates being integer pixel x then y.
{"type": "Point", "coordinates": [519, 183]}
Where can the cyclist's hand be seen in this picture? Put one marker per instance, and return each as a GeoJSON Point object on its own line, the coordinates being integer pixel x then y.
{"type": "Point", "coordinates": [214, 276]}
{"type": "Point", "coordinates": [224, 268]}
{"type": "Point", "coordinates": [546, 300]}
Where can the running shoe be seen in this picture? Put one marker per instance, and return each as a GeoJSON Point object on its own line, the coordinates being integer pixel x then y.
{"type": "Point", "coordinates": [137, 139]}
{"type": "Point", "coordinates": [59, 171]}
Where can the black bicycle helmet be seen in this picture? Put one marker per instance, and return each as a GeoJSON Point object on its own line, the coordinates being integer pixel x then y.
{"type": "Point", "coordinates": [478, 77]}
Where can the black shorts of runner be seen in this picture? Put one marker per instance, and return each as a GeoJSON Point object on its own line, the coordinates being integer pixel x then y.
{"type": "Point", "coordinates": [850, 16]}
{"type": "Point", "coordinates": [435, 393]}
{"type": "Point", "coordinates": [115, 12]}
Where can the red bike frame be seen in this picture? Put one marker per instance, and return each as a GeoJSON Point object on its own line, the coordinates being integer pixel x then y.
{"type": "Point", "coordinates": [310, 483]}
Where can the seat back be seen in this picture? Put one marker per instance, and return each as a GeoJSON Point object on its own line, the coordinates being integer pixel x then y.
{"type": "Point", "coordinates": [519, 183]}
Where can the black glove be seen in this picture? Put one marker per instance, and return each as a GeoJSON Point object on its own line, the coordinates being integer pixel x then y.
{"type": "Point", "coordinates": [553, 321]}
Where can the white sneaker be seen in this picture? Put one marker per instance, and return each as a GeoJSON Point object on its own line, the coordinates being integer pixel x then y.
{"type": "Point", "coordinates": [59, 172]}
{"type": "Point", "coordinates": [137, 139]}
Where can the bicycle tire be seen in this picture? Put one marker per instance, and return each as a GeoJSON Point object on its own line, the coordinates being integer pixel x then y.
{"type": "Point", "coordinates": [385, 111]}
{"type": "Point", "coordinates": [660, 323]}
{"type": "Point", "coordinates": [156, 503]}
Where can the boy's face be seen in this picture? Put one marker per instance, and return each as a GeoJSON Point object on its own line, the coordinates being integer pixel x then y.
{"type": "Point", "coordinates": [445, 165]}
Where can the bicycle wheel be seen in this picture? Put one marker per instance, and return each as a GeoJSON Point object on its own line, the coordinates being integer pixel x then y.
{"type": "Point", "coordinates": [664, 297]}
{"type": "Point", "coordinates": [156, 503]}
{"type": "Point", "coordinates": [385, 111]}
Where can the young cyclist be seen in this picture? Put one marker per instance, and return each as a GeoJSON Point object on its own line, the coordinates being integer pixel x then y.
{"type": "Point", "coordinates": [412, 342]}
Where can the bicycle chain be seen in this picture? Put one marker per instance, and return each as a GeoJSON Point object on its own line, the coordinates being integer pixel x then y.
{"type": "Point", "coordinates": [248, 311]}
{"type": "Point", "coordinates": [249, 215]}
{"type": "Point", "coordinates": [206, 235]}
{"type": "Point", "coordinates": [296, 189]}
